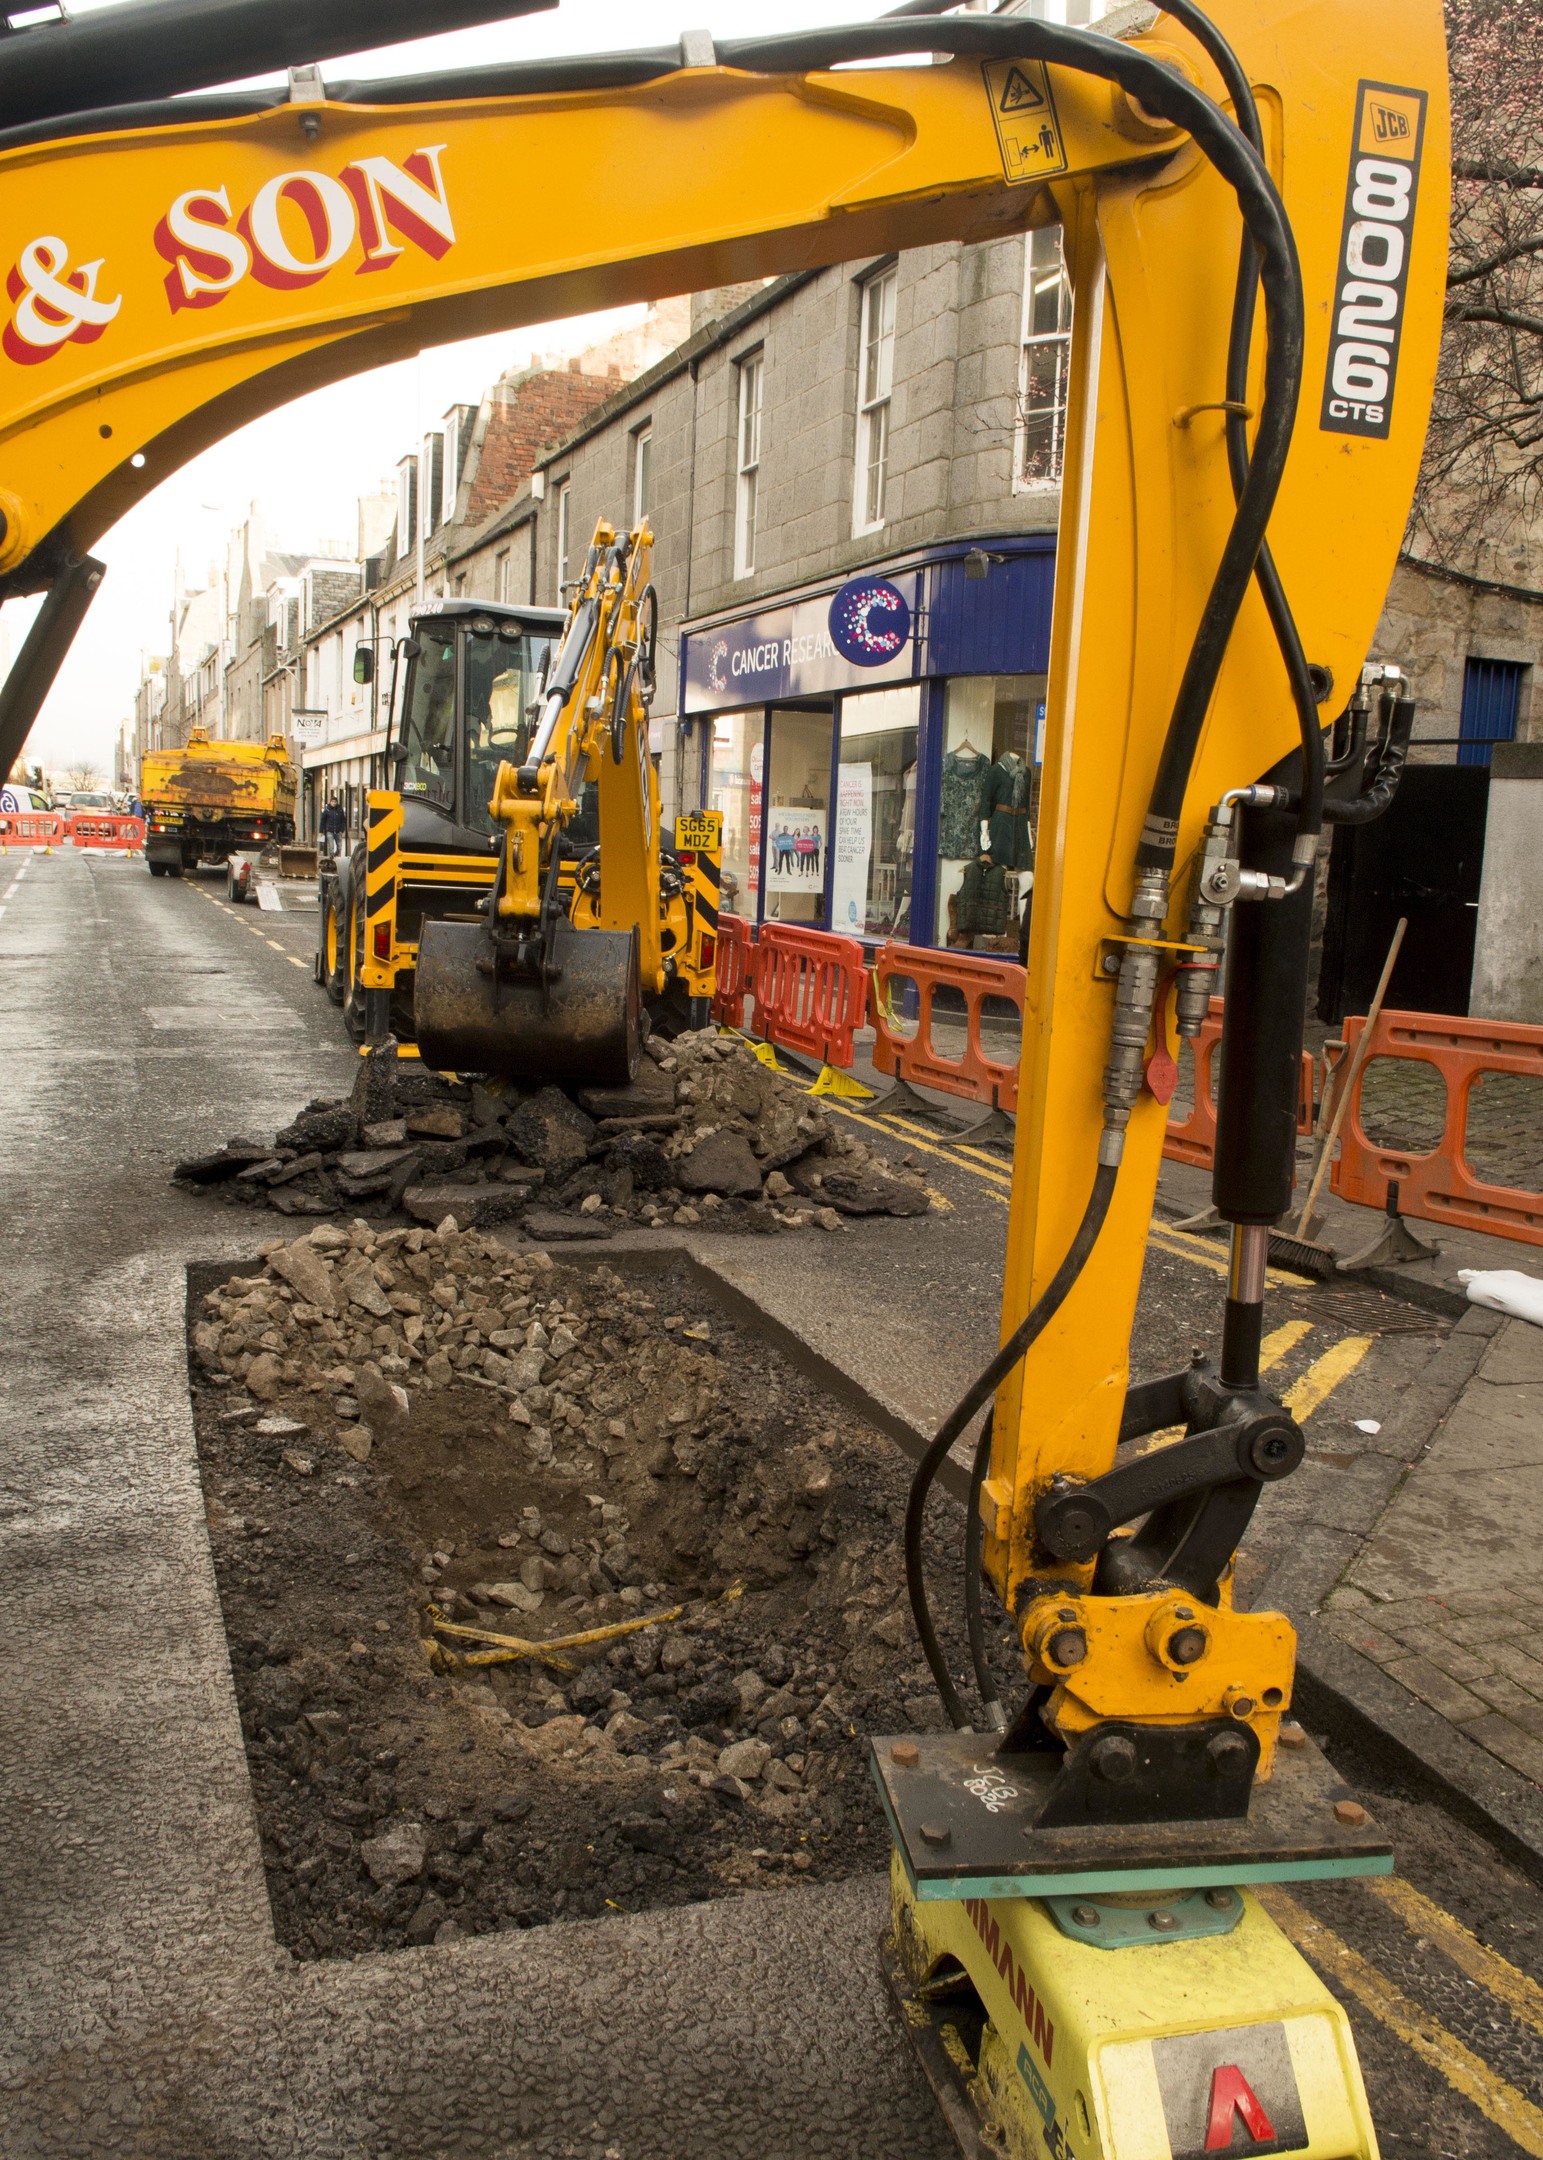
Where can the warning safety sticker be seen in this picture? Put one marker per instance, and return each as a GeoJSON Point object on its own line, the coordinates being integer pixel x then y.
{"type": "Point", "coordinates": [1023, 108]}
{"type": "Point", "coordinates": [1232, 2092]}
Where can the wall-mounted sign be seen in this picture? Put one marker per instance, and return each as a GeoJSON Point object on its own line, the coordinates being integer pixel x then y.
{"type": "Point", "coordinates": [308, 724]}
{"type": "Point", "coordinates": [870, 621]}
{"type": "Point", "coordinates": [791, 652]}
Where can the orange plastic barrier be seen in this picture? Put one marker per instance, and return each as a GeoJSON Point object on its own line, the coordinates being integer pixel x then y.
{"type": "Point", "coordinates": [105, 829]}
{"type": "Point", "coordinates": [30, 829]}
{"type": "Point", "coordinates": [736, 952]}
{"type": "Point", "coordinates": [810, 991]}
{"type": "Point", "coordinates": [1439, 1186]}
{"type": "Point", "coordinates": [1194, 1142]}
{"type": "Point", "coordinates": [918, 1058]}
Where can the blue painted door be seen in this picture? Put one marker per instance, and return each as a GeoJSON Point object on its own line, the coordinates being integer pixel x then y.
{"type": "Point", "coordinates": [1491, 695]}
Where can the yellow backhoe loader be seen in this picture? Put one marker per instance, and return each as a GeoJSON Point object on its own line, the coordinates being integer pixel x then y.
{"type": "Point", "coordinates": [1254, 211]}
{"type": "Point", "coordinates": [474, 918]}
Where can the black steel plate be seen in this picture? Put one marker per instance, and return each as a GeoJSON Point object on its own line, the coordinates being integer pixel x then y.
{"type": "Point", "coordinates": [988, 1805]}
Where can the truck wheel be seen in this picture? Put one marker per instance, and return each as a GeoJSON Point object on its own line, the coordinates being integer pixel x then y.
{"type": "Point", "coordinates": [353, 1002]}
{"type": "Point", "coordinates": [156, 869]}
{"type": "Point", "coordinates": [332, 952]}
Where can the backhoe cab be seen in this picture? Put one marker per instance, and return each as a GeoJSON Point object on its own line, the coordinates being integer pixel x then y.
{"type": "Point", "coordinates": [473, 918]}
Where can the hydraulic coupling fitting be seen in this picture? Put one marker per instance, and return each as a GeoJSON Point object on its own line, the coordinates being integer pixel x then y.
{"type": "Point", "coordinates": [1134, 997]}
{"type": "Point", "coordinates": [1212, 893]}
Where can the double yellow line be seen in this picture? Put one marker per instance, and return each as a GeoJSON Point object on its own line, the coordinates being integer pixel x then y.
{"type": "Point", "coordinates": [1306, 1394]}
{"type": "Point", "coordinates": [1408, 2021]}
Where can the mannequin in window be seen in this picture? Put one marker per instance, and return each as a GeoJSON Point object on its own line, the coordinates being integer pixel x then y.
{"type": "Point", "coordinates": [1004, 805]}
{"type": "Point", "coordinates": [959, 808]}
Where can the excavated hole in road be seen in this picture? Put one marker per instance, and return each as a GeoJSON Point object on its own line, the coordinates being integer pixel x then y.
{"type": "Point", "coordinates": [403, 1799]}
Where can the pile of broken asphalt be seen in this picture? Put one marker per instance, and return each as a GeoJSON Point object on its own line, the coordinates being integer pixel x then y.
{"type": "Point", "coordinates": [706, 1135]}
{"type": "Point", "coordinates": [429, 1457]}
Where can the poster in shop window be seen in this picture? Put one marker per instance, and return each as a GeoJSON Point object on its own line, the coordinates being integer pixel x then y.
{"type": "Point", "coordinates": [795, 850]}
{"type": "Point", "coordinates": [852, 848]}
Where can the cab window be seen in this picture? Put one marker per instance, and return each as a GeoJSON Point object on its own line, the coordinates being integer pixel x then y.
{"type": "Point", "coordinates": [504, 669]}
{"type": "Point", "coordinates": [428, 732]}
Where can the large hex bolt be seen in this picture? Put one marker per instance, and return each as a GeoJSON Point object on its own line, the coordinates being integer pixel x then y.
{"type": "Point", "coordinates": [1228, 1754]}
{"type": "Point", "coordinates": [1113, 1758]}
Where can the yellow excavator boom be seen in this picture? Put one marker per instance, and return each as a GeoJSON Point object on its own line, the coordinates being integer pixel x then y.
{"type": "Point", "coordinates": [1242, 446]}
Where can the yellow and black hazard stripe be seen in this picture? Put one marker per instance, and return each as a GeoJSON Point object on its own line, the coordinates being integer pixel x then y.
{"type": "Point", "coordinates": [383, 833]}
{"type": "Point", "coordinates": [699, 846]}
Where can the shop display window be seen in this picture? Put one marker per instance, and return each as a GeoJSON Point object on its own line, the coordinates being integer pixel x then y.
{"type": "Point", "coordinates": [874, 832]}
{"type": "Point", "coordinates": [986, 809]}
{"type": "Point", "coordinates": [735, 788]}
{"type": "Point", "coordinates": [797, 815]}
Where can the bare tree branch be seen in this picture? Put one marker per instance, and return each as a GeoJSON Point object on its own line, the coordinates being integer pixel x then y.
{"type": "Point", "coordinates": [1479, 504]}
{"type": "Point", "coordinates": [1497, 169]}
{"type": "Point", "coordinates": [1482, 269]}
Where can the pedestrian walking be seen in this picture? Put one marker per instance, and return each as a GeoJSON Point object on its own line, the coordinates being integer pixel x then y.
{"type": "Point", "coordinates": [333, 826]}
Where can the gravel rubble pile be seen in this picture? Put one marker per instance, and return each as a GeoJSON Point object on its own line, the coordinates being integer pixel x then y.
{"type": "Point", "coordinates": [409, 1432]}
{"type": "Point", "coordinates": [706, 1135]}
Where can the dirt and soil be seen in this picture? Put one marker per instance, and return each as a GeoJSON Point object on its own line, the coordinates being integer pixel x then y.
{"type": "Point", "coordinates": [707, 1134]}
{"type": "Point", "coordinates": [579, 1451]}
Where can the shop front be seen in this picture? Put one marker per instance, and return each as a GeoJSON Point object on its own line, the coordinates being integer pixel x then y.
{"type": "Point", "coordinates": [874, 746]}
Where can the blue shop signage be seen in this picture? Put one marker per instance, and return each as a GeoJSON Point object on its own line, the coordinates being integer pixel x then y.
{"type": "Point", "coordinates": [854, 639]}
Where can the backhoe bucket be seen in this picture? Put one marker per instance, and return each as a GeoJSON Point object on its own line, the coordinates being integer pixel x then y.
{"type": "Point", "coordinates": [586, 1024]}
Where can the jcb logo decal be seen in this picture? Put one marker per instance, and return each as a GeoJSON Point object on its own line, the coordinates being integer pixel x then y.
{"type": "Point", "coordinates": [297, 228]}
{"type": "Point", "coordinates": [1373, 271]}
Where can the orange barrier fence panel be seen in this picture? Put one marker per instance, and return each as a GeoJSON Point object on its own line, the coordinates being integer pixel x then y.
{"type": "Point", "coordinates": [1439, 1185]}
{"type": "Point", "coordinates": [31, 829]}
{"type": "Point", "coordinates": [1194, 1140]}
{"type": "Point", "coordinates": [736, 951]}
{"type": "Point", "coordinates": [101, 829]}
{"type": "Point", "coordinates": [919, 1057]}
{"type": "Point", "coordinates": [811, 991]}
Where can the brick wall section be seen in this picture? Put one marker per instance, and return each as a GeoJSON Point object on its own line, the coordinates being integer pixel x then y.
{"type": "Point", "coordinates": [526, 417]}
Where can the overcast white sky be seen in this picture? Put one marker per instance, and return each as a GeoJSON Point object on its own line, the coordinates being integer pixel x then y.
{"type": "Point", "coordinates": [306, 463]}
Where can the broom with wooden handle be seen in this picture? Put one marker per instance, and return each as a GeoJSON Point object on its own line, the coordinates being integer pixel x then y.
{"type": "Point", "coordinates": [1294, 1250]}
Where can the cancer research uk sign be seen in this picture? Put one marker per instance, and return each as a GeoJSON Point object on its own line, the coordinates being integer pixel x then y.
{"type": "Point", "coordinates": [853, 639]}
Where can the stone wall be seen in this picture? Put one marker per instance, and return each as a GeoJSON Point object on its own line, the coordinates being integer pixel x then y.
{"type": "Point", "coordinates": [1434, 622]}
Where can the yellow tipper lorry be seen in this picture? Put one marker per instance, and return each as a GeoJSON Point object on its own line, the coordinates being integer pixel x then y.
{"type": "Point", "coordinates": [208, 799]}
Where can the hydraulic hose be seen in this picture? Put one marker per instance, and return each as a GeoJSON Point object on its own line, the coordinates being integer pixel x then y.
{"type": "Point", "coordinates": [1240, 338]}
{"type": "Point", "coordinates": [1034, 1323]}
{"type": "Point", "coordinates": [974, 1615]}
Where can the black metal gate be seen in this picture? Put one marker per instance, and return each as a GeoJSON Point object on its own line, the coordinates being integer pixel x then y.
{"type": "Point", "coordinates": [1422, 859]}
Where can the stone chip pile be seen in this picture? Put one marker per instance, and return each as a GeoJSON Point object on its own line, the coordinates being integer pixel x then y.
{"type": "Point", "coordinates": [707, 1135]}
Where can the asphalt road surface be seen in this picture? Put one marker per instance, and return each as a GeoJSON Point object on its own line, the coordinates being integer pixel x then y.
{"type": "Point", "coordinates": [148, 1019]}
